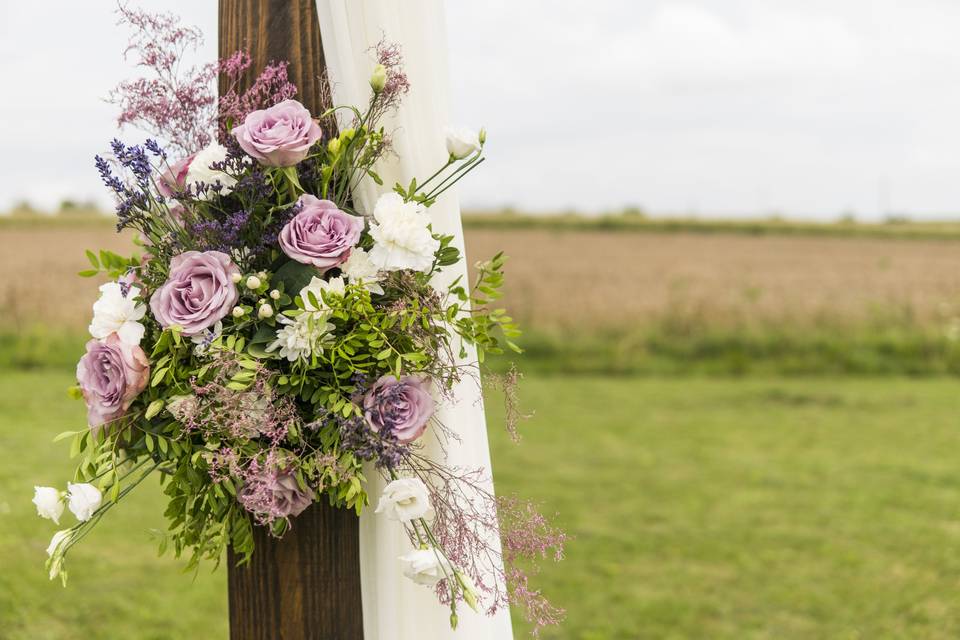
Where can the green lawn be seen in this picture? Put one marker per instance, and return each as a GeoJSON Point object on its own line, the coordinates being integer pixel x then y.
{"type": "Point", "coordinates": [700, 508]}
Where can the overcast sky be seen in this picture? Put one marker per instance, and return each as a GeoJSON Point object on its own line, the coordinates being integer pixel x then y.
{"type": "Point", "coordinates": [810, 108]}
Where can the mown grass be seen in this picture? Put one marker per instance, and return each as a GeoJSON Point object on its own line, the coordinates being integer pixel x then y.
{"type": "Point", "coordinates": [700, 508]}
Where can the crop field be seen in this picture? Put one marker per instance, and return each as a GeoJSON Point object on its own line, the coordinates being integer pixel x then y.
{"type": "Point", "coordinates": [581, 281]}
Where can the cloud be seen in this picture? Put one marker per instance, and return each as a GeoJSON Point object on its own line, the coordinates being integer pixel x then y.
{"type": "Point", "coordinates": [719, 106]}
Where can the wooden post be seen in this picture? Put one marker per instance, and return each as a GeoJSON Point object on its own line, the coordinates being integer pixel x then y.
{"type": "Point", "coordinates": [307, 584]}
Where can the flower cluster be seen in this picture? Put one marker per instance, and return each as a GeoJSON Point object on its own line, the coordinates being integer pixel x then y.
{"type": "Point", "coordinates": [272, 339]}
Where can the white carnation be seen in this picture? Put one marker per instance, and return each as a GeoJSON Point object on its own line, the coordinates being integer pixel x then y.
{"type": "Point", "coordinates": [84, 500]}
{"type": "Point", "coordinates": [360, 270]}
{"type": "Point", "coordinates": [425, 566]}
{"type": "Point", "coordinates": [405, 499]}
{"type": "Point", "coordinates": [49, 503]}
{"type": "Point", "coordinates": [301, 337]}
{"type": "Point", "coordinates": [461, 142]}
{"type": "Point", "coordinates": [118, 313]}
{"type": "Point", "coordinates": [401, 235]}
{"type": "Point", "coordinates": [200, 171]}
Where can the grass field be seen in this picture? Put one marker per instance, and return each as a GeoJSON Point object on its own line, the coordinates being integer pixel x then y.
{"type": "Point", "coordinates": [701, 508]}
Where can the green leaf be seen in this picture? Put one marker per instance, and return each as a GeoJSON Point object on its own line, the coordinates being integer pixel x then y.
{"type": "Point", "coordinates": [88, 273]}
{"type": "Point", "coordinates": [294, 276]}
{"type": "Point", "coordinates": [92, 257]}
{"type": "Point", "coordinates": [65, 435]}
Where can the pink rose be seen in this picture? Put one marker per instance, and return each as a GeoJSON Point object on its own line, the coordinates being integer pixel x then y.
{"type": "Point", "coordinates": [401, 407]}
{"type": "Point", "coordinates": [280, 136]}
{"type": "Point", "coordinates": [198, 292]}
{"type": "Point", "coordinates": [111, 374]}
{"type": "Point", "coordinates": [320, 234]}
{"type": "Point", "coordinates": [174, 179]}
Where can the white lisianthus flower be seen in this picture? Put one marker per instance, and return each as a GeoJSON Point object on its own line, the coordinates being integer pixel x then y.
{"type": "Point", "coordinates": [84, 500]}
{"type": "Point", "coordinates": [461, 142]}
{"type": "Point", "coordinates": [361, 271]}
{"type": "Point", "coordinates": [117, 313]}
{"type": "Point", "coordinates": [425, 566]}
{"type": "Point", "coordinates": [333, 287]}
{"type": "Point", "coordinates": [401, 235]}
{"type": "Point", "coordinates": [302, 336]}
{"type": "Point", "coordinates": [200, 170]}
{"type": "Point", "coordinates": [405, 499]}
{"type": "Point", "coordinates": [49, 503]}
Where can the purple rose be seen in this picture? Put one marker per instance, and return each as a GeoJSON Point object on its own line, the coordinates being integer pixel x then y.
{"type": "Point", "coordinates": [198, 292]}
{"type": "Point", "coordinates": [399, 406]}
{"type": "Point", "coordinates": [280, 136]}
{"type": "Point", "coordinates": [320, 234]}
{"type": "Point", "coordinates": [271, 494]}
{"type": "Point", "coordinates": [111, 374]}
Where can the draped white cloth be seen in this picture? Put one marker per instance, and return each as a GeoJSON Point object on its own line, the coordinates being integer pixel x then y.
{"type": "Point", "coordinates": [394, 608]}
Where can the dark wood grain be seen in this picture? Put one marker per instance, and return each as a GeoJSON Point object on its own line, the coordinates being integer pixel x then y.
{"type": "Point", "coordinates": [307, 584]}
{"type": "Point", "coordinates": [275, 30]}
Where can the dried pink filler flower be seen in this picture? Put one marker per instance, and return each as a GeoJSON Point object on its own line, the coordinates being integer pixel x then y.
{"type": "Point", "coordinates": [271, 87]}
{"type": "Point", "coordinates": [178, 103]}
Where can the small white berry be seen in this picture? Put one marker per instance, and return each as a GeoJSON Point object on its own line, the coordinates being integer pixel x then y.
{"type": "Point", "coordinates": [275, 294]}
{"type": "Point", "coordinates": [253, 282]}
{"type": "Point", "coordinates": [236, 277]}
{"type": "Point", "coordinates": [265, 311]}
{"type": "Point", "coordinates": [238, 312]}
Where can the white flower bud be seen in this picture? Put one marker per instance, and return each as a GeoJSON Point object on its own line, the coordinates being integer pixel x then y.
{"type": "Point", "coordinates": [275, 294]}
{"type": "Point", "coordinates": [253, 282]}
{"type": "Point", "coordinates": [238, 312]}
{"type": "Point", "coordinates": [236, 277]}
{"type": "Point", "coordinates": [462, 142]}
{"type": "Point", "coordinates": [378, 80]}
{"type": "Point", "coordinates": [266, 311]}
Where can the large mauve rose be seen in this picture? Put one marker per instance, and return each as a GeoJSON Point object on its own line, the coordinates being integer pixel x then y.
{"type": "Point", "coordinates": [320, 234]}
{"type": "Point", "coordinates": [280, 136]}
{"type": "Point", "coordinates": [198, 292]}
{"type": "Point", "coordinates": [399, 406]}
{"type": "Point", "coordinates": [111, 374]}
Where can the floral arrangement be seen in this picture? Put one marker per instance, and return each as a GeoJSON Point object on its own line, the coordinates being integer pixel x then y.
{"type": "Point", "coordinates": [270, 343]}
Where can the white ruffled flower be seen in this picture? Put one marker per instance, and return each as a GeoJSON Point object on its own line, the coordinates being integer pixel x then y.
{"type": "Point", "coordinates": [84, 499]}
{"type": "Point", "coordinates": [200, 170]}
{"type": "Point", "coordinates": [361, 271]}
{"type": "Point", "coordinates": [425, 566]}
{"type": "Point", "coordinates": [333, 287]}
{"type": "Point", "coordinates": [49, 503]}
{"type": "Point", "coordinates": [118, 313]}
{"type": "Point", "coordinates": [461, 142]}
{"type": "Point", "coordinates": [401, 235]}
{"type": "Point", "coordinates": [405, 499]}
{"type": "Point", "coordinates": [302, 336]}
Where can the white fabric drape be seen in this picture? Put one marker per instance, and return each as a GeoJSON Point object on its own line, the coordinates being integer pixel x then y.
{"type": "Point", "coordinates": [394, 608]}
